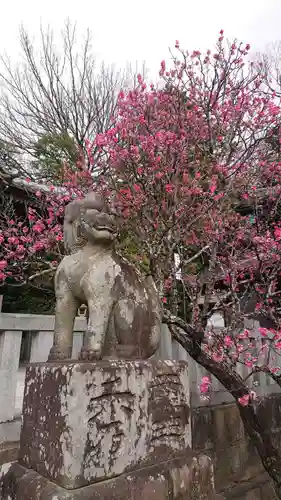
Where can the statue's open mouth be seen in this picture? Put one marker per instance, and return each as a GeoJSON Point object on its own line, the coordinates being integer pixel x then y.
{"type": "Point", "coordinates": [104, 228]}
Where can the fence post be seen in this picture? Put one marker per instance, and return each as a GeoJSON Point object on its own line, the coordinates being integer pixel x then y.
{"type": "Point", "coordinates": [40, 346]}
{"type": "Point", "coordinates": [165, 347]}
{"type": "Point", "coordinates": [10, 342]}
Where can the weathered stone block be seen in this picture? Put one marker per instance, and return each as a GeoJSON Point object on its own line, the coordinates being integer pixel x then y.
{"type": "Point", "coordinates": [9, 440]}
{"type": "Point", "coordinates": [188, 478]}
{"type": "Point", "coordinates": [219, 432]}
{"type": "Point", "coordinates": [85, 422]}
{"type": "Point", "coordinates": [9, 452]}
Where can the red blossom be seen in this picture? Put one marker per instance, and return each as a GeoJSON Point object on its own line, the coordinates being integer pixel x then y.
{"type": "Point", "coordinates": [3, 264]}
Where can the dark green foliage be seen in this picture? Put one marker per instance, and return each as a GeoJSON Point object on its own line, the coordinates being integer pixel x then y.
{"type": "Point", "coordinates": [27, 299]}
{"type": "Point", "coordinates": [52, 152]}
{"type": "Point", "coordinates": [128, 247]}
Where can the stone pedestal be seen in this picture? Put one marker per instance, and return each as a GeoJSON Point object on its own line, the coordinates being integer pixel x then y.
{"type": "Point", "coordinates": [189, 478]}
{"type": "Point", "coordinates": [122, 424]}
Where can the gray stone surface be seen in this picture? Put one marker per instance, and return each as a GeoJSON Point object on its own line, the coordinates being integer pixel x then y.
{"type": "Point", "coordinates": [77, 344]}
{"type": "Point", "coordinates": [9, 363]}
{"type": "Point", "coordinates": [189, 478]}
{"type": "Point", "coordinates": [34, 322]}
{"type": "Point", "coordinates": [124, 312]}
{"type": "Point", "coordinates": [10, 431]}
{"type": "Point", "coordinates": [167, 350]}
{"type": "Point", "coordinates": [11, 375]}
{"type": "Point", "coordinates": [42, 342]}
{"type": "Point", "coordinates": [19, 391]}
{"type": "Point", "coordinates": [9, 440]}
{"type": "Point", "coordinates": [86, 422]}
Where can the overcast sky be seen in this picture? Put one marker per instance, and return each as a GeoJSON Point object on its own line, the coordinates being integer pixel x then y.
{"type": "Point", "coordinates": [128, 30]}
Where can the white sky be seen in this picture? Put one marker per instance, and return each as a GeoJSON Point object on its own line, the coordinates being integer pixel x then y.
{"type": "Point", "coordinates": [129, 31]}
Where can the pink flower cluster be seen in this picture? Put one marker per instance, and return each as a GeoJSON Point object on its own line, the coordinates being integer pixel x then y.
{"type": "Point", "coordinates": [247, 398]}
{"type": "Point", "coordinates": [205, 385]}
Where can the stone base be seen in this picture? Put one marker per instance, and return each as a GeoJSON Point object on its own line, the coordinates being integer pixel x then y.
{"type": "Point", "coordinates": [9, 441]}
{"type": "Point", "coordinates": [88, 422]}
{"type": "Point", "coordinates": [177, 479]}
{"type": "Point", "coordinates": [107, 430]}
{"type": "Point", "coordinates": [9, 452]}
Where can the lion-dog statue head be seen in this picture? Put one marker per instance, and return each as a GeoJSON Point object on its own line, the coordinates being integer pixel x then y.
{"type": "Point", "coordinates": [88, 220]}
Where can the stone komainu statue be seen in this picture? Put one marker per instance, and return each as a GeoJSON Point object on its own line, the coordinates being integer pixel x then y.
{"type": "Point", "coordinates": [124, 312]}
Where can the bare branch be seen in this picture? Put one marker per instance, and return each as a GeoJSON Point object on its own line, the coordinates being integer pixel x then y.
{"type": "Point", "coordinates": [59, 90]}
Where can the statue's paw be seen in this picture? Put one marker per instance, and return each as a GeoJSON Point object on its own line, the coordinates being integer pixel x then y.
{"type": "Point", "coordinates": [90, 355]}
{"type": "Point", "coordinates": [83, 355]}
{"type": "Point", "coordinates": [56, 354]}
{"type": "Point", "coordinates": [94, 356]}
